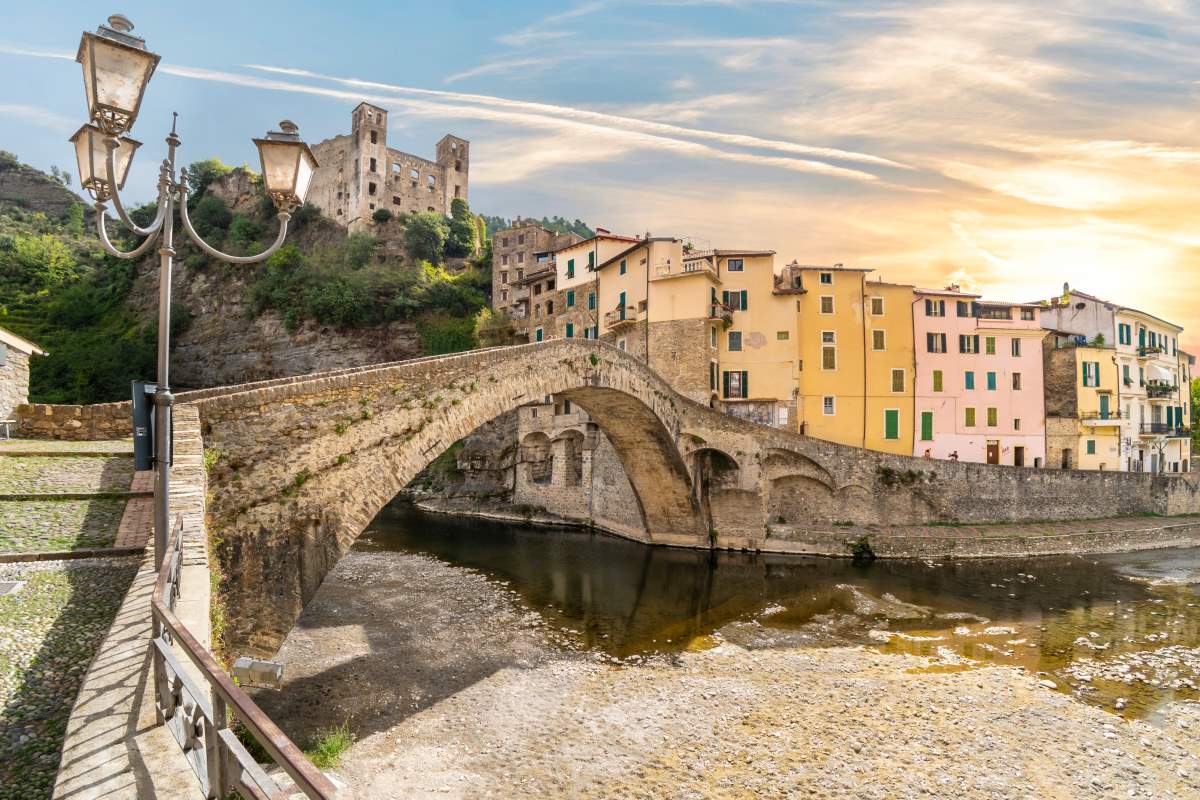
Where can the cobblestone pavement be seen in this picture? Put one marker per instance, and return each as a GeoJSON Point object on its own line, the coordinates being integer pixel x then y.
{"type": "Point", "coordinates": [56, 446]}
{"type": "Point", "coordinates": [49, 629]}
{"type": "Point", "coordinates": [50, 475]}
{"type": "Point", "coordinates": [30, 526]}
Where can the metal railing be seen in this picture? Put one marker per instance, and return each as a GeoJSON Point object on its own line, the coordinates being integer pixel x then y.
{"type": "Point", "coordinates": [201, 728]}
{"type": "Point", "coordinates": [1160, 389]}
{"type": "Point", "coordinates": [620, 316]}
{"type": "Point", "coordinates": [1151, 350]}
{"type": "Point", "coordinates": [1166, 429]}
{"type": "Point", "coordinates": [720, 311]}
{"type": "Point", "coordinates": [1101, 415]}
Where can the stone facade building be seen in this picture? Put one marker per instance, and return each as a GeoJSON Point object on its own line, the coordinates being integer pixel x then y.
{"type": "Point", "coordinates": [359, 174]}
{"type": "Point", "coordinates": [523, 268]}
{"type": "Point", "coordinates": [15, 353]}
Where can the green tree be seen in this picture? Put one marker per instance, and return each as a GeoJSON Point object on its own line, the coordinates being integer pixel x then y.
{"type": "Point", "coordinates": [43, 262]}
{"type": "Point", "coordinates": [201, 173]}
{"type": "Point", "coordinates": [425, 235]}
{"type": "Point", "coordinates": [462, 238]}
{"type": "Point", "coordinates": [211, 217]}
{"type": "Point", "coordinates": [359, 249]}
{"type": "Point", "coordinates": [382, 215]}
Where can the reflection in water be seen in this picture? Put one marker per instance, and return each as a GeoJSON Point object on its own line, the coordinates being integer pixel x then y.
{"type": "Point", "coordinates": [625, 598]}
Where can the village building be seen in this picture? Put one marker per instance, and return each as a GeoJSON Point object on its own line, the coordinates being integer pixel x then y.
{"type": "Point", "coordinates": [15, 353]}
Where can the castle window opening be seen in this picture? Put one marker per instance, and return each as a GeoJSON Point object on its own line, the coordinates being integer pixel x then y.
{"type": "Point", "coordinates": [520, 258]}
{"type": "Point", "coordinates": [395, 200]}
{"type": "Point", "coordinates": [374, 137]}
{"type": "Point", "coordinates": [395, 168]}
{"type": "Point", "coordinates": [429, 208]}
{"type": "Point", "coordinates": [457, 190]}
{"type": "Point", "coordinates": [504, 277]}
{"type": "Point", "coordinates": [373, 164]}
{"type": "Point", "coordinates": [520, 238]}
{"type": "Point", "coordinates": [432, 181]}
{"type": "Point", "coordinates": [370, 188]}
{"type": "Point", "coordinates": [458, 166]}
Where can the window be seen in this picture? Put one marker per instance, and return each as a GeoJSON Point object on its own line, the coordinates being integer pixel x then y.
{"type": "Point", "coordinates": [737, 301]}
{"type": "Point", "coordinates": [1016, 381]}
{"type": "Point", "coordinates": [504, 277]}
{"type": "Point", "coordinates": [520, 238]}
{"type": "Point", "coordinates": [431, 180]}
{"type": "Point", "coordinates": [570, 268]}
{"type": "Point", "coordinates": [570, 298]}
{"type": "Point", "coordinates": [964, 308]}
{"type": "Point", "coordinates": [969, 380]}
{"type": "Point", "coordinates": [935, 308]}
{"type": "Point", "coordinates": [520, 258]}
{"type": "Point", "coordinates": [370, 188]}
{"type": "Point", "coordinates": [414, 174]}
{"type": "Point", "coordinates": [827, 406]}
{"type": "Point", "coordinates": [1016, 424]}
{"type": "Point", "coordinates": [935, 342]}
{"type": "Point", "coordinates": [1128, 381]}
{"type": "Point", "coordinates": [891, 423]}
{"type": "Point", "coordinates": [782, 336]}
{"type": "Point", "coordinates": [570, 330]}
{"type": "Point", "coordinates": [992, 418]}
{"type": "Point", "coordinates": [968, 343]}
{"type": "Point", "coordinates": [1027, 314]}
{"type": "Point", "coordinates": [504, 294]}
{"type": "Point", "coordinates": [826, 304]}
{"type": "Point", "coordinates": [926, 426]}
{"type": "Point", "coordinates": [734, 342]}
{"type": "Point", "coordinates": [1091, 373]}
{"type": "Point", "coordinates": [828, 350]}
{"type": "Point", "coordinates": [549, 306]}
{"type": "Point", "coordinates": [396, 200]}
{"type": "Point", "coordinates": [734, 265]}
{"type": "Point", "coordinates": [1091, 447]}
{"type": "Point", "coordinates": [504, 241]}
{"type": "Point", "coordinates": [990, 343]}
{"type": "Point", "coordinates": [712, 336]}
{"type": "Point", "coordinates": [537, 335]}
{"type": "Point", "coordinates": [878, 340]}
{"type": "Point", "coordinates": [591, 301]}
{"type": "Point", "coordinates": [877, 306]}
{"type": "Point", "coordinates": [737, 384]}
{"type": "Point", "coordinates": [991, 381]}
{"type": "Point", "coordinates": [827, 278]}
{"type": "Point", "coordinates": [937, 380]}
{"type": "Point", "coordinates": [374, 140]}
{"type": "Point", "coordinates": [1124, 333]}
{"type": "Point", "coordinates": [622, 268]}
{"type": "Point", "coordinates": [620, 344]}
{"type": "Point", "coordinates": [712, 376]}
{"type": "Point", "coordinates": [592, 261]}
{"type": "Point", "coordinates": [969, 417]}
{"type": "Point", "coordinates": [372, 165]}
{"type": "Point", "coordinates": [897, 380]}
{"type": "Point", "coordinates": [1016, 347]}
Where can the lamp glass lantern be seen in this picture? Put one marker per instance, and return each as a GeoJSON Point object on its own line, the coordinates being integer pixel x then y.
{"type": "Point", "coordinates": [116, 68]}
{"type": "Point", "coordinates": [287, 165]}
{"type": "Point", "coordinates": [91, 152]}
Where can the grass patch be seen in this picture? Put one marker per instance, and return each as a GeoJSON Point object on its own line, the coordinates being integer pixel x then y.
{"type": "Point", "coordinates": [326, 748]}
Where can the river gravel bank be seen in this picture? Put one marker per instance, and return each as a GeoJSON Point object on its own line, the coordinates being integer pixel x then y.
{"type": "Point", "coordinates": [455, 689]}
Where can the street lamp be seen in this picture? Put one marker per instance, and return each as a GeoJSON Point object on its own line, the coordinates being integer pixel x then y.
{"type": "Point", "coordinates": [116, 68]}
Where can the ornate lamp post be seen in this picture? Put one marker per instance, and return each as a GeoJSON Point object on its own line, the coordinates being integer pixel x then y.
{"type": "Point", "coordinates": [116, 68]}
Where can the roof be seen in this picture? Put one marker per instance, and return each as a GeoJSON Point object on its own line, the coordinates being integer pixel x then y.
{"type": "Point", "coordinates": [1115, 306]}
{"type": "Point", "coordinates": [613, 236]}
{"type": "Point", "coordinates": [17, 343]}
{"type": "Point", "coordinates": [889, 283]}
{"type": "Point", "coordinates": [947, 293]}
{"type": "Point", "coordinates": [725, 253]}
{"type": "Point", "coordinates": [640, 244]}
{"type": "Point", "coordinates": [828, 267]}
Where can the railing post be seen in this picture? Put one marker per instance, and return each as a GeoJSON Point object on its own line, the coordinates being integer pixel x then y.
{"type": "Point", "coordinates": [217, 787]}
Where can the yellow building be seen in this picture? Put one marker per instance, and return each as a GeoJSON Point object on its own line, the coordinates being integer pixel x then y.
{"type": "Point", "coordinates": [855, 356]}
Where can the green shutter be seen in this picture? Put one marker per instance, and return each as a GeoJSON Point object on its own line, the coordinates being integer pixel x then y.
{"type": "Point", "coordinates": [1091, 447]}
{"type": "Point", "coordinates": [570, 268]}
{"type": "Point", "coordinates": [991, 381]}
{"type": "Point", "coordinates": [891, 424]}
{"type": "Point", "coordinates": [621, 305]}
{"type": "Point", "coordinates": [992, 418]}
{"type": "Point", "coordinates": [570, 330]}
{"type": "Point", "coordinates": [538, 335]}
{"type": "Point", "coordinates": [969, 418]}
{"type": "Point", "coordinates": [725, 383]}
{"type": "Point", "coordinates": [976, 343]}
{"type": "Point", "coordinates": [591, 301]}
{"type": "Point", "coordinates": [969, 380]}
{"type": "Point", "coordinates": [745, 383]}
{"type": "Point", "coordinates": [744, 300]}
{"type": "Point", "coordinates": [927, 426]}
{"type": "Point", "coordinates": [592, 260]}
{"type": "Point", "coordinates": [570, 298]}
{"type": "Point", "coordinates": [725, 298]}
{"type": "Point", "coordinates": [937, 380]}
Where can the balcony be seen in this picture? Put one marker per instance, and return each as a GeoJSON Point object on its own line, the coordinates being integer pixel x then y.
{"type": "Point", "coordinates": [1151, 351]}
{"type": "Point", "coordinates": [690, 266]}
{"type": "Point", "coordinates": [722, 312]}
{"type": "Point", "coordinates": [1167, 429]}
{"type": "Point", "coordinates": [620, 318]}
{"type": "Point", "coordinates": [1099, 419]}
{"type": "Point", "coordinates": [1160, 390]}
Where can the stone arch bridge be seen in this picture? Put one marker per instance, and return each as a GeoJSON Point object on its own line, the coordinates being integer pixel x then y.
{"type": "Point", "coordinates": [298, 467]}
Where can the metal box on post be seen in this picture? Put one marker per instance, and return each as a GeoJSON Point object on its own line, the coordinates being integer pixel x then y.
{"type": "Point", "coordinates": [143, 425]}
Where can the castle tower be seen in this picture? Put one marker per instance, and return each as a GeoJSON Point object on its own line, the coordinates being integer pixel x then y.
{"type": "Point", "coordinates": [454, 157]}
{"type": "Point", "coordinates": [369, 129]}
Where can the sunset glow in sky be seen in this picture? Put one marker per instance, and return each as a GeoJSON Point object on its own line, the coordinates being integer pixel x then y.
{"type": "Point", "coordinates": [1007, 146]}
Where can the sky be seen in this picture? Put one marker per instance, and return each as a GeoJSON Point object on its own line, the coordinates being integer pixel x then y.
{"type": "Point", "coordinates": [1009, 147]}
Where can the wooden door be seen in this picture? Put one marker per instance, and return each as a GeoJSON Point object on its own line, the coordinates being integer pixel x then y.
{"type": "Point", "coordinates": [993, 452]}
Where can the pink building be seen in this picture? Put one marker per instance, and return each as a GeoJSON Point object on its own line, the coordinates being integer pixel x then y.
{"type": "Point", "coordinates": [979, 379]}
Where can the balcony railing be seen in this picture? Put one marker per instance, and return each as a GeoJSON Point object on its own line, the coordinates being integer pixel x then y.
{"type": "Point", "coordinates": [722, 312]}
{"type": "Point", "coordinates": [1160, 389]}
{"type": "Point", "coordinates": [620, 316]}
{"type": "Point", "coordinates": [1165, 429]}
{"type": "Point", "coordinates": [201, 728]}
{"type": "Point", "coordinates": [1150, 351]}
{"type": "Point", "coordinates": [1100, 416]}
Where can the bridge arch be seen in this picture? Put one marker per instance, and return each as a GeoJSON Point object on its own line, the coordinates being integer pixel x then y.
{"type": "Point", "coordinates": [303, 467]}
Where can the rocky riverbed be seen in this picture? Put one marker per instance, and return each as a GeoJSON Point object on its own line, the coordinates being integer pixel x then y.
{"type": "Point", "coordinates": [455, 688]}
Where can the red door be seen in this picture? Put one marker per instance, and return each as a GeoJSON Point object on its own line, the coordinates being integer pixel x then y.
{"type": "Point", "coordinates": [993, 452]}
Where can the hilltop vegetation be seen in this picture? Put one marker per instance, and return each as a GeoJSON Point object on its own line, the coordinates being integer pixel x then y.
{"type": "Point", "coordinates": [556, 224]}
{"type": "Point", "coordinates": [61, 291]}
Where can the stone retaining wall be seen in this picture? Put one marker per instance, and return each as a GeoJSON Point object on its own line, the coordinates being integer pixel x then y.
{"type": "Point", "coordinates": [74, 423]}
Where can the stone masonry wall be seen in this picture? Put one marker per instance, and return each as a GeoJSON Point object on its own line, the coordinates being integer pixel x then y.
{"type": "Point", "coordinates": [75, 423]}
{"type": "Point", "coordinates": [679, 353]}
{"type": "Point", "coordinates": [14, 382]}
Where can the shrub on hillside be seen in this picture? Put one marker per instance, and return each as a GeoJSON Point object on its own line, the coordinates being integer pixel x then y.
{"type": "Point", "coordinates": [425, 235]}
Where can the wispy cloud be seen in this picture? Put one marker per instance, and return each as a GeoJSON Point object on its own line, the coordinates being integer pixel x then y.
{"type": "Point", "coordinates": [42, 117]}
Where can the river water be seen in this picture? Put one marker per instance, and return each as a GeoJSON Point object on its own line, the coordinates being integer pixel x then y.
{"type": "Point", "coordinates": [1121, 631]}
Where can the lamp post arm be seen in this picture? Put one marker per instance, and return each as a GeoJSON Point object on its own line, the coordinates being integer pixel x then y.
{"type": "Point", "coordinates": [111, 173]}
{"type": "Point", "coordinates": [108, 246]}
{"type": "Point", "coordinates": [284, 217]}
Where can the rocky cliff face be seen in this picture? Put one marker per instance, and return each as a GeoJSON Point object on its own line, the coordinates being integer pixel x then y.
{"type": "Point", "coordinates": [29, 188]}
{"type": "Point", "coordinates": [227, 343]}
